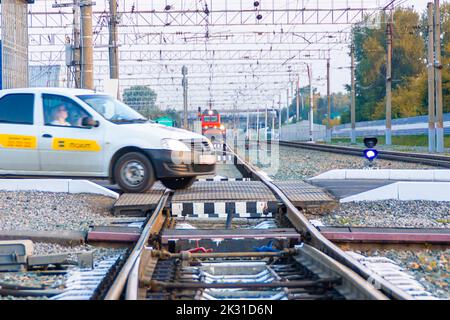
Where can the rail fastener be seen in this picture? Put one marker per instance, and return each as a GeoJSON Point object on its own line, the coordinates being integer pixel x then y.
{"type": "Point", "coordinates": [325, 282]}
{"type": "Point", "coordinates": [185, 255]}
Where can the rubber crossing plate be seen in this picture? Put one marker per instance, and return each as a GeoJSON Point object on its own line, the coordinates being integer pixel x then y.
{"type": "Point", "coordinates": [303, 194]}
{"type": "Point", "coordinates": [225, 190]}
{"type": "Point", "coordinates": [139, 203]}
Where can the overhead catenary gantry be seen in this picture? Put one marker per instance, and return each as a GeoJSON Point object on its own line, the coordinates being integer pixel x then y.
{"type": "Point", "coordinates": [216, 40]}
{"type": "Point", "coordinates": [224, 13]}
{"type": "Point", "coordinates": [164, 39]}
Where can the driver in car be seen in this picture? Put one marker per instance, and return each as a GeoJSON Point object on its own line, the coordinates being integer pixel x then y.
{"type": "Point", "coordinates": [59, 116]}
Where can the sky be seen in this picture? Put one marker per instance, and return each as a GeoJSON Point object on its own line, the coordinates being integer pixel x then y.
{"type": "Point", "coordinates": [340, 60]}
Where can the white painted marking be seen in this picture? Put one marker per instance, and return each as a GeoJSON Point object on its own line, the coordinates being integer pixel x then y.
{"type": "Point", "coordinates": [199, 208]}
{"type": "Point", "coordinates": [177, 209]}
{"type": "Point", "coordinates": [219, 208]}
{"type": "Point", "coordinates": [241, 207]}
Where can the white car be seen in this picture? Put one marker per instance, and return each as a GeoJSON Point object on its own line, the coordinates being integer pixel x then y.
{"type": "Point", "coordinates": [80, 133]}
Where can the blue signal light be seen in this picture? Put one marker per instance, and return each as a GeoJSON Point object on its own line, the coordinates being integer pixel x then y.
{"type": "Point", "coordinates": [370, 154]}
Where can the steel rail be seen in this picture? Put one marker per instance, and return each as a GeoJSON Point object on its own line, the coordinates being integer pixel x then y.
{"type": "Point", "coordinates": [313, 237]}
{"type": "Point", "coordinates": [426, 159]}
{"type": "Point", "coordinates": [115, 291]}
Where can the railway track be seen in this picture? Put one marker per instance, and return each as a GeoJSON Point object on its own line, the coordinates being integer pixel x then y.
{"type": "Point", "coordinates": [287, 259]}
{"type": "Point", "coordinates": [425, 159]}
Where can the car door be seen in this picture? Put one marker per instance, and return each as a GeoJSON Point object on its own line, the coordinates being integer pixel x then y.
{"type": "Point", "coordinates": [18, 134]}
{"type": "Point", "coordinates": [66, 147]}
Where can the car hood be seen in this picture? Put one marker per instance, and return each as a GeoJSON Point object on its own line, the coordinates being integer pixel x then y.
{"type": "Point", "coordinates": [161, 131]}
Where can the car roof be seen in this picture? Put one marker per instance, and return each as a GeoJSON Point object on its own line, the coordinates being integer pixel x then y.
{"type": "Point", "coordinates": [51, 90]}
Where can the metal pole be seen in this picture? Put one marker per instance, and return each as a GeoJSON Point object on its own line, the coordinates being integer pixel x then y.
{"type": "Point", "coordinates": [311, 104]}
{"type": "Point", "coordinates": [353, 105]}
{"type": "Point", "coordinates": [438, 65]}
{"type": "Point", "coordinates": [76, 44]}
{"type": "Point", "coordinates": [328, 102]}
{"type": "Point", "coordinates": [248, 120]}
{"type": "Point", "coordinates": [184, 72]}
{"type": "Point", "coordinates": [297, 119]}
{"type": "Point", "coordinates": [272, 130]}
{"type": "Point", "coordinates": [257, 123]}
{"type": "Point", "coordinates": [279, 112]}
{"type": "Point", "coordinates": [287, 106]}
{"type": "Point", "coordinates": [265, 121]}
{"type": "Point", "coordinates": [389, 82]}
{"type": "Point", "coordinates": [289, 103]}
{"type": "Point", "coordinates": [113, 40]}
{"type": "Point", "coordinates": [431, 90]}
{"type": "Point", "coordinates": [234, 117]}
{"type": "Point", "coordinates": [87, 53]}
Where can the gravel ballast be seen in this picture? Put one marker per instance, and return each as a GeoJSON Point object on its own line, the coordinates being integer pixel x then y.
{"type": "Point", "coordinates": [48, 211]}
{"type": "Point", "coordinates": [299, 164]}
{"type": "Point", "coordinates": [389, 213]}
{"type": "Point", "coordinates": [430, 267]}
{"type": "Point", "coordinates": [57, 280]}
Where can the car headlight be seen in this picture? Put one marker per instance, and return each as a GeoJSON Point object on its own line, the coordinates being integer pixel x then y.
{"type": "Point", "coordinates": [174, 145]}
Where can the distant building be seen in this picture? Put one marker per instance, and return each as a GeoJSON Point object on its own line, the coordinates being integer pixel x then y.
{"type": "Point", "coordinates": [44, 76]}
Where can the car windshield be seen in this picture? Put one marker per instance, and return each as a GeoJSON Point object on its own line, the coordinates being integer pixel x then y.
{"type": "Point", "coordinates": [112, 109]}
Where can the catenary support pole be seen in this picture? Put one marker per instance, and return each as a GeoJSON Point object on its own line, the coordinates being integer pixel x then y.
{"type": "Point", "coordinates": [353, 102]}
{"type": "Point", "coordinates": [389, 81]}
{"type": "Point", "coordinates": [87, 53]}
{"type": "Point", "coordinates": [76, 44]}
{"type": "Point", "coordinates": [438, 75]}
{"type": "Point", "coordinates": [311, 104]}
{"type": "Point", "coordinates": [297, 113]}
{"type": "Point", "coordinates": [184, 72]}
{"type": "Point", "coordinates": [113, 41]}
{"type": "Point", "coordinates": [328, 136]}
{"type": "Point", "coordinates": [431, 91]}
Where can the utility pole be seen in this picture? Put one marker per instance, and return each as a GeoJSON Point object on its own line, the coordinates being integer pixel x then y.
{"type": "Point", "coordinates": [113, 41]}
{"type": "Point", "coordinates": [353, 105]}
{"type": "Point", "coordinates": [297, 119]}
{"type": "Point", "coordinates": [290, 97]}
{"type": "Point", "coordinates": [76, 44]}
{"type": "Point", "coordinates": [272, 129]}
{"type": "Point", "coordinates": [184, 82]}
{"type": "Point", "coordinates": [328, 102]}
{"type": "Point", "coordinates": [438, 65]}
{"type": "Point", "coordinates": [279, 112]}
{"type": "Point", "coordinates": [311, 104]}
{"type": "Point", "coordinates": [248, 122]}
{"type": "Point", "coordinates": [257, 123]}
{"type": "Point", "coordinates": [73, 47]}
{"type": "Point", "coordinates": [287, 105]}
{"type": "Point", "coordinates": [389, 81]}
{"type": "Point", "coordinates": [431, 90]}
{"type": "Point", "coordinates": [265, 120]}
{"type": "Point", "coordinates": [87, 53]}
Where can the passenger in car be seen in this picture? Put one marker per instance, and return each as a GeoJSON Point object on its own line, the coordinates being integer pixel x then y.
{"type": "Point", "coordinates": [60, 115]}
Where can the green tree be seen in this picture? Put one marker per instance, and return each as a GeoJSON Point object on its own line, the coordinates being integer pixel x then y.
{"type": "Point", "coordinates": [407, 67]}
{"type": "Point", "coordinates": [140, 98]}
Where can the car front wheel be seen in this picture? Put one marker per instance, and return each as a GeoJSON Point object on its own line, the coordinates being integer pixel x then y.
{"type": "Point", "coordinates": [178, 183]}
{"type": "Point", "coordinates": [134, 173]}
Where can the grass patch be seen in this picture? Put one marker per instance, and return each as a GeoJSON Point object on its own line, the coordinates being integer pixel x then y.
{"type": "Point", "coordinates": [410, 141]}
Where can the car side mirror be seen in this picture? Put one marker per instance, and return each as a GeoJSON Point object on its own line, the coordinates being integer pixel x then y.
{"type": "Point", "coordinates": [89, 122]}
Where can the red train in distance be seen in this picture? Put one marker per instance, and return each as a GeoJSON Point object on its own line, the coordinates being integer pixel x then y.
{"type": "Point", "coordinates": [211, 121]}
